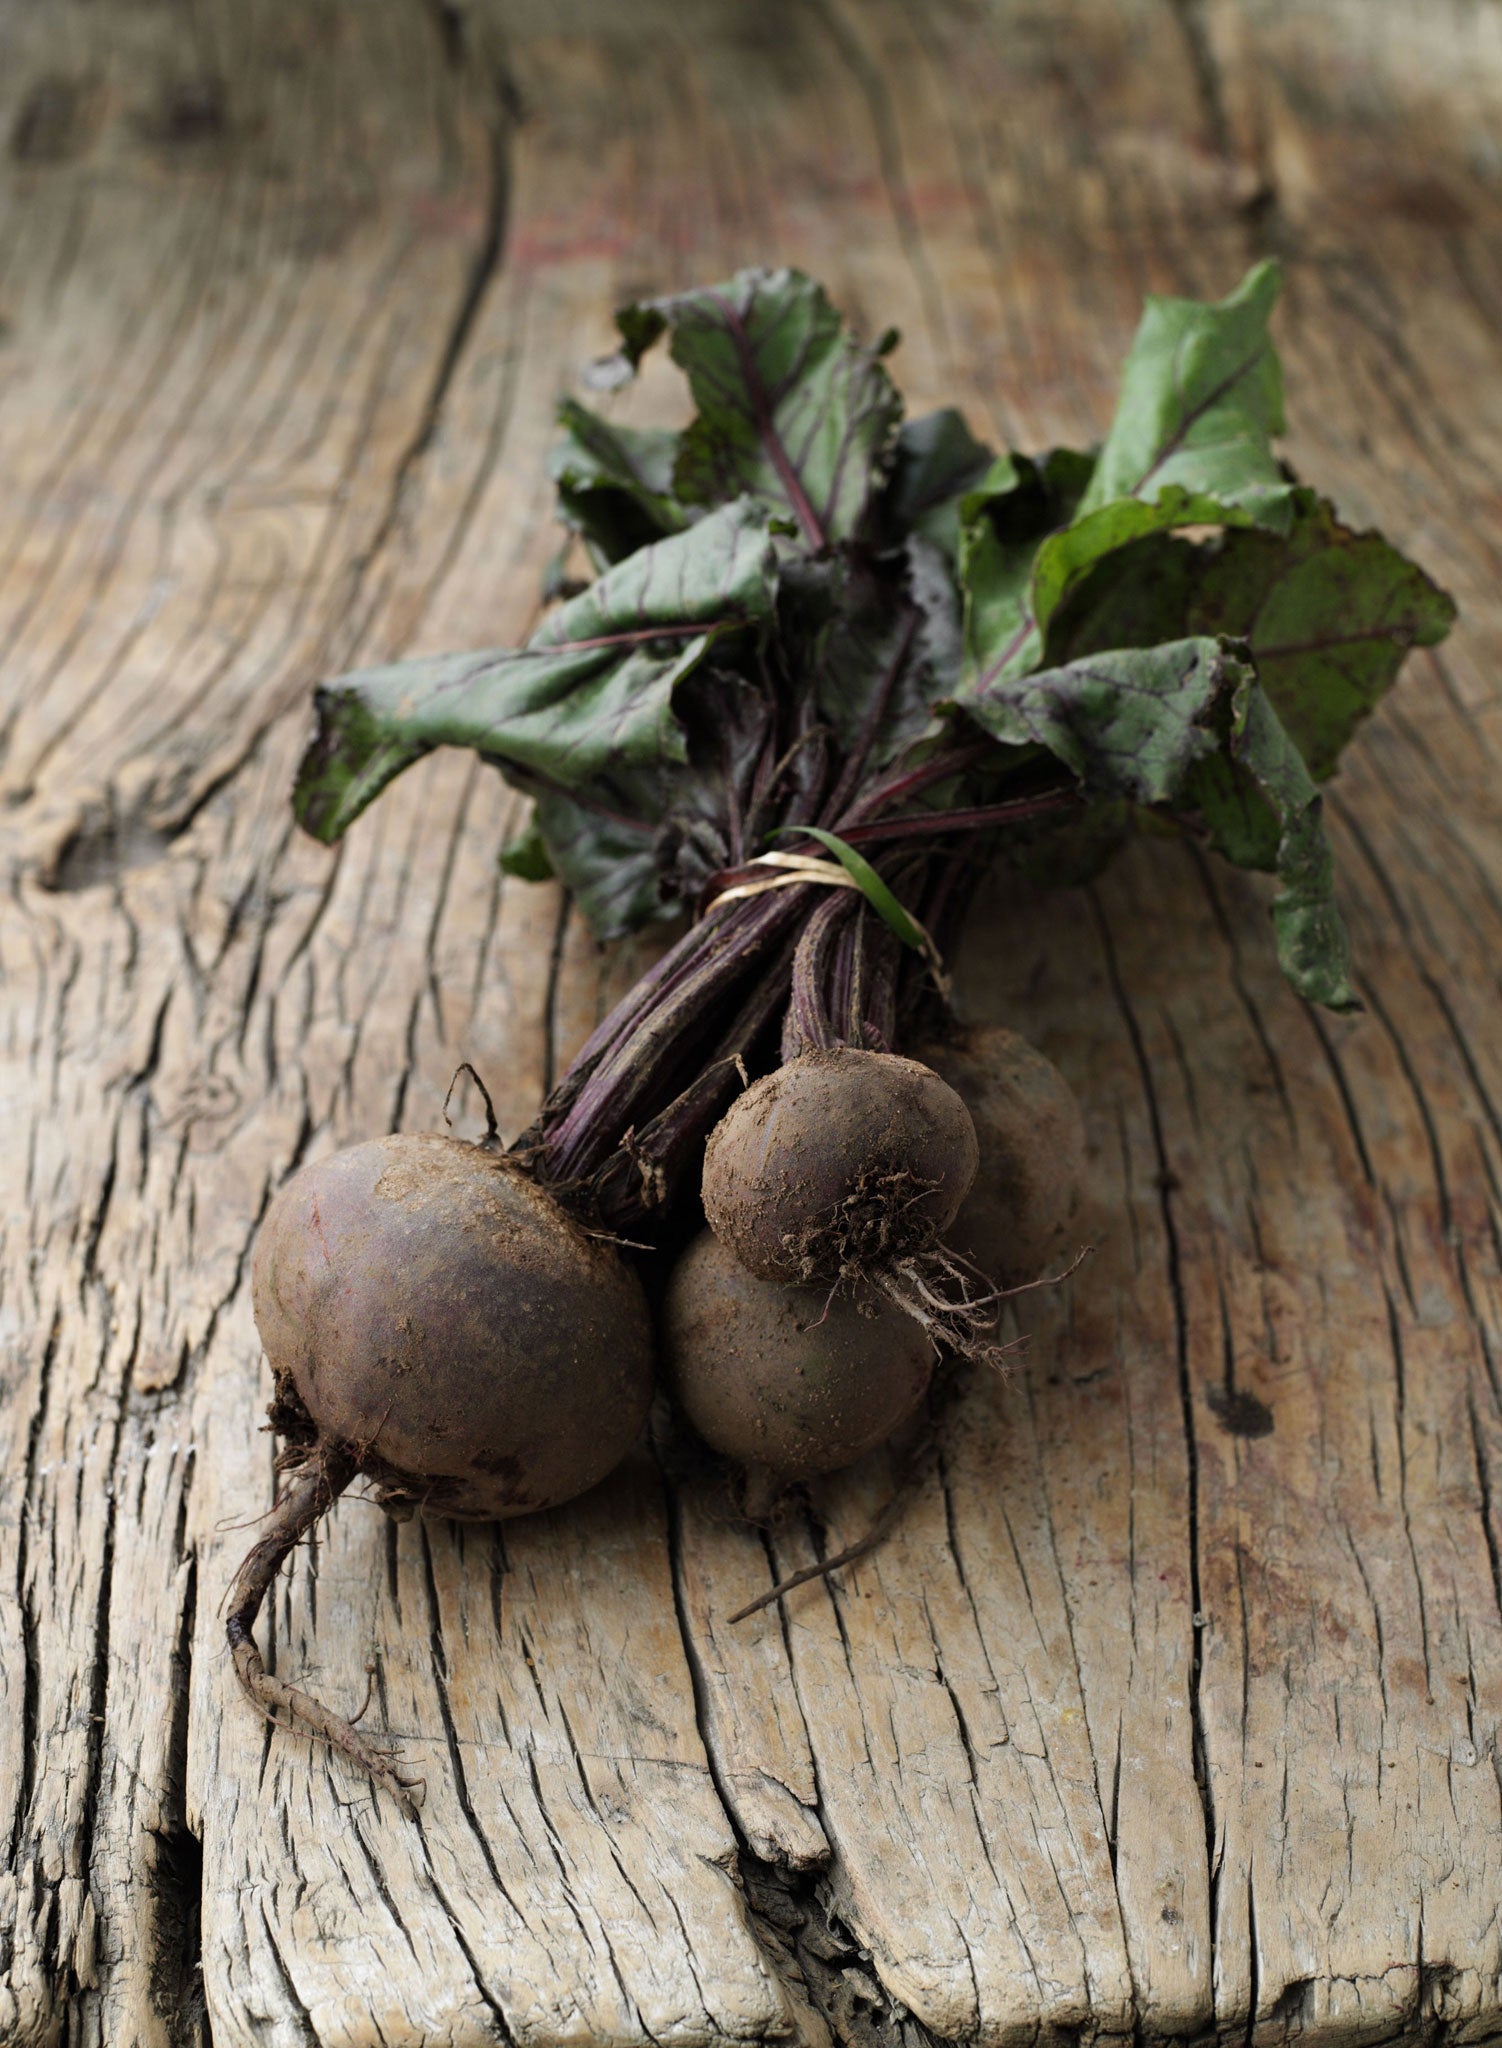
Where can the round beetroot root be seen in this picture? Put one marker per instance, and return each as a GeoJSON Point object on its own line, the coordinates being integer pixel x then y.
{"type": "Point", "coordinates": [436, 1314]}
{"type": "Point", "coordinates": [1016, 1221]}
{"type": "Point", "coordinates": [437, 1323]}
{"type": "Point", "coordinates": [786, 1378]}
{"type": "Point", "coordinates": [837, 1164]}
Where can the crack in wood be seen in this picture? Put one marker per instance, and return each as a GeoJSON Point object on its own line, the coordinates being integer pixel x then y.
{"type": "Point", "coordinates": [1166, 1186]}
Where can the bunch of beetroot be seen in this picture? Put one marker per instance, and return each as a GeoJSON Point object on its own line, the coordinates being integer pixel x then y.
{"type": "Point", "coordinates": [827, 663]}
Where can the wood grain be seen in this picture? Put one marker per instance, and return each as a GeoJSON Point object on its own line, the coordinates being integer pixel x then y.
{"type": "Point", "coordinates": [1171, 1707]}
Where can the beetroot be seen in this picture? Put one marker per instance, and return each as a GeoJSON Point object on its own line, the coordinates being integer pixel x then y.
{"type": "Point", "coordinates": [839, 1164]}
{"type": "Point", "coordinates": [430, 1305]}
{"type": "Point", "coordinates": [1016, 1220]}
{"type": "Point", "coordinates": [787, 1380]}
{"type": "Point", "coordinates": [435, 1322]}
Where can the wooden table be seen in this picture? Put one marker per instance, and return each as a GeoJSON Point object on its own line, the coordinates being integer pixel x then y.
{"type": "Point", "coordinates": [1172, 1707]}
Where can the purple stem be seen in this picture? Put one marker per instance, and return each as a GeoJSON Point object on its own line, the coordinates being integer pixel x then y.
{"type": "Point", "coordinates": [621, 1127]}
{"type": "Point", "coordinates": [884, 966]}
{"type": "Point", "coordinates": [941, 767]}
{"type": "Point", "coordinates": [633, 638]}
{"type": "Point", "coordinates": [629, 1076]}
{"type": "Point", "coordinates": [659, 979]}
{"type": "Point", "coordinates": [639, 1176]}
{"type": "Point", "coordinates": [928, 824]}
{"type": "Point", "coordinates": [809, 1025]}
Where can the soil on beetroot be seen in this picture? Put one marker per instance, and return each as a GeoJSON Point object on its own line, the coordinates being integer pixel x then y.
{"type": "Point", "coordinates": [838, 1164]}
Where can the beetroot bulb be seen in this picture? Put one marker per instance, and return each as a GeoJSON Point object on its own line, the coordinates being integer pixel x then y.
{"type": "Point", "coordinates": [784, 1380]}
{"type": "Point", "coordinates": [438, 1325]}
{"type": "Point", "coordinates": [1020, 1216]}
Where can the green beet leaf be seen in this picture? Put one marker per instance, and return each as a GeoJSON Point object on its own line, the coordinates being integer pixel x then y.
{"type": "Point", "coordinates": [1328, 614]}
{"type": "Point", "coordinates": [590, 693]}
{"type": "Point", "coordinates": [1261, 808]}
{"type": "Point", "coordinates": [1190, 445]}
{"type": "Point", "coordinates": [1201, 399]}
{"type": "Point", "coordinates": [797, 581]}
{"type": "Point", "coordinates": [791, 409]}
{"type": "Point", "coordinates": [1186, 727]}
{"type": "Point", "coordinates": [1129, 722]}
{"type": "Point", "coordinates": [608, 861]}
{"type": "Point", "coordinates": [639, 840]}
{"type": "Point", "coordinates": [1006, 521]}
{"type": "Point", "coordinates": [526, 856]}
{"type": "Point", "coordinates": [1016, 581]}
{"type": "Point", "coordinates": [936, 463]}
{"type": "Point", "coordinates": [875, 647]}
{"type": "Point", "coordinates": [614, 483]}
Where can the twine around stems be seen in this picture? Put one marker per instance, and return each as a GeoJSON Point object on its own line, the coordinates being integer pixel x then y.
{"type": "Point", "coordinates": [795, 868]}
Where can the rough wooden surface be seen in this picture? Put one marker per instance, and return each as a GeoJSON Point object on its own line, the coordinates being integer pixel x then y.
{"type": "Point", "coordinates": [1172, 1707]}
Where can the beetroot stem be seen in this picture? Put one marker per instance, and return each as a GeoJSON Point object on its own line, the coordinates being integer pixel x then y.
{"type": "Point", "coordinates": [620, 1128]}
{"type": "Point", "coordinates": [931, 824]}
{"type": "Point", "coordinates": [626, 1079]}
{"type": "Point", "coordinates": [311, 1491]}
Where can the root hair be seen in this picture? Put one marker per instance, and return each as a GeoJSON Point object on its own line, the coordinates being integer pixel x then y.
{"type": "Point", "coordinates": [872, 1226]}
{"type": "Point", "coordinates": [935, 1289]}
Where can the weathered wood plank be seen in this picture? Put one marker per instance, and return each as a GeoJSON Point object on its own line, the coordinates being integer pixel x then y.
{"type": "Point", "coordinates": [1173, 1703]}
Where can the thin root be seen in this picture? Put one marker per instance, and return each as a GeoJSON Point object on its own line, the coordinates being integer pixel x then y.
{"type": "Point", "coordinates": [226, 1527]}
{"type": "Point", "coordinates": [311, 1491]}
{"type": "Point", "coordinates": [917, 1461]}
{"type": "Point", "coordinates": [823, 1316]}
{"type": "Point", "coordinates": [1043, 1280]}
{"type": "Point", "coordinates": [492, 1137]}
{"type": "Point", "coordinates": [848, 1555]}
{"type": "Point", "coordinates": [370, 1675]}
